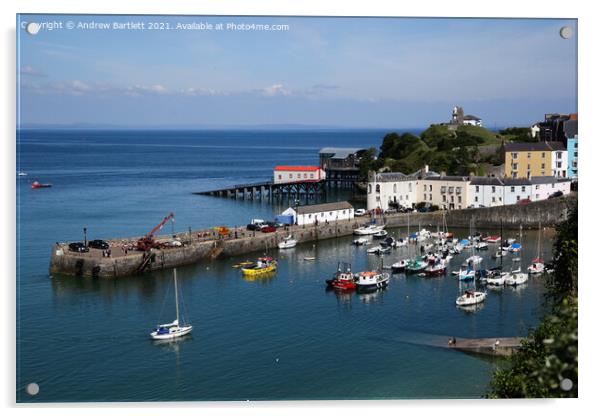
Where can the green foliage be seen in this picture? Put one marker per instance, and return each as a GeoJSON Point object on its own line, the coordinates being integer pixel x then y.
{"type": "Point", "coordinates": [517, 134]}
{"type": "Point", "coordinates": [455, 152]}
{"type": "Point", "coordinates": [549, 354]}
{"type": "Point", "coordinates": [563, 282]}
{"type": "Point", "coordinates": [367, 162]}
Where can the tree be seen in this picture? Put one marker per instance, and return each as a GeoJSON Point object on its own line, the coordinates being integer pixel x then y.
{"type": "Point", "coordinates": [367, 162]}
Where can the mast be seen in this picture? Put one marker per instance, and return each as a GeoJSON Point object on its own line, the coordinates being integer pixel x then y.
{"type": "Point", "coordinates": [175, 283]}
{"type": "Point", "coordinates": [539, 241]}
{"type": "Point", "coordinates": [501, 243]}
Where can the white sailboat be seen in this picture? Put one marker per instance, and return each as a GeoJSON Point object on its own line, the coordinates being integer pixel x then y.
{"type": "Point", "coordinates": [173, 329]}
{"type": "Point", "coordinates": [516, 276]}
{"type": "Point", "coordinates": [537, 265]}
{"type": "Point", "coordinates": [288, 242]}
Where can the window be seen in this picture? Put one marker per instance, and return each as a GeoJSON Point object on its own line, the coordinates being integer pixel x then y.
{"type": "Point", "coordinates": [444, 200]}
{"type": "Point", "coordinates": [512, 189]}
{"type": "Point", "coordinates": [575, 145]}
{"type": "Point", "coordinates": [409, 187]}
{"type": "Point", "coordinates": [458, 189]}
{"type": "Point", "coordinates": [407, 197]}
{"type": "Point", "coordinates": [290, 176]}
{"type": "Point", "coordinates": [493, 189]}
{"type": "Point", "coordinates": [425, 188]}
{"type": "Point", "coordinates": [378, 188]}
{"type": "Point", "coordinates": [543, 165]}
{"type": "Point", "coordinates": [459, 199]}
{"type": "Point", "coordinates": [477, 188]}
{"type": "Point", "coordinates": [522, 189]}
{"type": "Point", "coordinates": [518, 197]}
{"type": "Point", "coordinates": [430, 188]}
{"type": "Point", "coordinates": [370, 188]}
{"type": "Point", "coordinates": [305, 176]}
{"type": "Point", "coordinates": [514, 175]}
{"type": "Point", "coordinates": [451, 199]}
{"type": "Point", "coordinates": [514, 166]}
{"type": "Point", "coordinates": [476, 199]}
{"type": "Point", "coordinates": [529, 155]}
{"type": "Point", "coordinates": [425, 197]}
{"type": "Point", "coordinates": [514, 155]}
{"type": "Point", "coordinates": [321, 214]}
{"type": "Point", "coordinates": [543, 155]}
{"type": "Point", "coordinates": [298, 175]}
{"type": "Point", "coordinates": [528, 174]}
{"type": "Point", "coordinates": [536, 187]}
{"type": "Point", "coordinates": [543, 173]}
{"type": "Point", "coordinates": [430, 197]}
{"type": "Point", "coordinates": [311, 175]}
{"type": "Point", "coordinates": [558, 155]}
{"type": "Point", "coordinates": [528, 167]}
{"type": "Point", "coordinates": [279, 176]}
{"type": "Point", "coordinates": [575, 154]}
{"type": "Point", "coordinates": [394, 188]}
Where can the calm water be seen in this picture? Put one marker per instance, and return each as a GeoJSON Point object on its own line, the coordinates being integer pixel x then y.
{"type": "Point", "coordinates": [284, 337]}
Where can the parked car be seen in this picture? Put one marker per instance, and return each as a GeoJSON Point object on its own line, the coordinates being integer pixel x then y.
{"type": "Point", "coordinates": [268, 229]}
{"type": "Point", "coordinates": [253, 227]}
{"type": "Point", "coordinates": [475, 205]}
{"type": "Point", "coordinates": [360, 212]}
{"type": "Point", "coordinates": [424, 209]}
{"type": "Point", "coordinates": [99, 244]}
{"type": "Point", "coordinates": [524, 201]}
{"type": "Point", "coordinates": [556, 194]}
{"type": "Point", "coordinates": [78, 247]}
{"type": "Point", "coordinates": [390, 211]}
{"type": "Point", "coordinates": [274, 224]}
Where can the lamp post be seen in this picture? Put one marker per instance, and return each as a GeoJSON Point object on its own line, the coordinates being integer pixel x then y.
{"type": "Point", "coordinates": [85, 236]}
{"type": "Point", "coordinates": [296, 211]}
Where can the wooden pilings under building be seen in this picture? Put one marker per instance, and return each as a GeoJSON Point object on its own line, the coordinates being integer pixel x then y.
{"type": "Point", "coordinates": [270, 190]}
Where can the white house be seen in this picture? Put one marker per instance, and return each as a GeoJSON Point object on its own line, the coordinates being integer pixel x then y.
{"type": "Point", "coordinates": [470, 120]}
{"type": "Point", "coordinates": [517, 189]}
{"type": "Point", "coordinates": [486, 191]}
{"type": "Point", "coordinates": [544, 186]}
{"type": "Point", "coordinates": [285, 174]}
{"type": "Point", "coordinates": [391, 189]}
{"type": "Point", "coordinates": [321, 213]}
{"type": "Point", "coordinates": [560, 163]}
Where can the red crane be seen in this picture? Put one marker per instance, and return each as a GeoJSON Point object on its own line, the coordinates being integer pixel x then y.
{"type": "Point", "coordinates": [147, 242]}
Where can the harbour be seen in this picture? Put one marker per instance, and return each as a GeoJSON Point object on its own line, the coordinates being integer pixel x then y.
{"type": "Point", "coordinates": [243, 338]}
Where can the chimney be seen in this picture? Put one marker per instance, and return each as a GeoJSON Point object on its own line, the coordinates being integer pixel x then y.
{"type": "Point", "coordinates": [426, 168]}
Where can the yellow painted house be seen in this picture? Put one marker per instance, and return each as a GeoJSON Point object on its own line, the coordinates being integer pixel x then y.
{"type": "Point", "coordinates": [527, 160]}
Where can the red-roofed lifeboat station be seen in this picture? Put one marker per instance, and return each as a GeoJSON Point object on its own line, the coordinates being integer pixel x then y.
{"type": "Point", "coordinates": [288, 174]}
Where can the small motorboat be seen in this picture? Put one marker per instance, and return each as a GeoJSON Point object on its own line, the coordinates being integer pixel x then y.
{"type": "Point", "coordinates": [380, 234]}
{"type": "Point", "coordinates": [309, 258]}
{"type": "Point", "coordinates": [368, 229]}
{"type": "Point", "coordinates": [482, 245]}
{"type": "Point", "coordinates": [514, 248]}
{"type": "Point", "coordinates": [263, 265]}
{"type": "Point", "coordinates": [537, 266]}
{"type": "Point", "coordinates": [288, 242]}
{"type": "Point", "coordinates": [38, 185]}
{"type": "Point", "coordinates": [242, 264]}
{"type": "Point", "coordinates": [371, 280]}
{"type": "Point", "coordinates": [492, 239]}
{"type": "Point", "coordinates": [388, 242]}
{"type": "Point", "coordinates": [360, 241]}
{"type": "Point", "coordinates": [466, 273]}
{"type": "Point", "coordinates": [471, 297]}
{"type": "Point", "coordinates": [343, 278]}
{"type": "Point", "coordinates": [496, 278]}
{"type": "Point", "coordinates": [379, 250]}
{"type": "Point", "coordinates": [435, 269]}
{"type": "Point", "coordinates": [399, 266]}
{"type": "Point", "coordinates": [416, 266]}
{"type": "Point", "coordinates": [22, 174]}
{"type": "Point", "coordinates": [474, 260]}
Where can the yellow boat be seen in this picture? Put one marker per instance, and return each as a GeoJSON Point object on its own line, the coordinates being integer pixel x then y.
{"type": "Point", "coordinates": [264, 265]}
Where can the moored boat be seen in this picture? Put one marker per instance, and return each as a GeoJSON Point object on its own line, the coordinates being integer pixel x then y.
{"type": "Point", "coordinates": [288, 242]}
{"type": "Point", "coordinates": [399, 266]}
{"type": "Point", "coordinates": [343, 278]}
{"type": "Point", "coordinates": [371, 280]}
{"type": "Point", "coordinates": [537, 266]}
{"type": "Point", "coordinates": [368, 229]}
{"type": "Point", "coordinates": [360, 241]}
{"type": "Point", "coordinates": [435, 269]}
{"type": "Point", "coordinates": [380, 234]}
{"type": "Point", "coordinates": [416, 266]}
{"type": "Point", "coordinates": [263, 265]}
{"type": "Point", "coordinates": [174, 329]}
{"type": "Point", "coordinates": [38, 185]}
{"type": "Point", "coordinates": [471, 297]}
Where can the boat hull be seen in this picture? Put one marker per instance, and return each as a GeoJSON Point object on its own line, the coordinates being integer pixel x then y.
{"type": "Point", "coordinates": [257, 272]}
{"type": "Point", "coordinates": [185, 330]}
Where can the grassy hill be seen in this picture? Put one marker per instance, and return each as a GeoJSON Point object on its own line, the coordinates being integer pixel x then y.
{"type": "Point", "coordinates": [458, 151]}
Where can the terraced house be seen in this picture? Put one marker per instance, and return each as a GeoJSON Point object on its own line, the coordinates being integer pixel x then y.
{"type": "Point", "coordinates": [527, 160]}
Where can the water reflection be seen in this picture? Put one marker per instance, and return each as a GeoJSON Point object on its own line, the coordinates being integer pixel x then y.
{"type": "Point", "coordinates": [470, 309]}
{"type": "Point", "coordinates": [263, 279]}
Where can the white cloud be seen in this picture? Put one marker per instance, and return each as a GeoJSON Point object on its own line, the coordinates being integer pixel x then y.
{"type": "Point", "coordinates": [32, 72]}
{"type": "Point", "coordinates": [274, 90]}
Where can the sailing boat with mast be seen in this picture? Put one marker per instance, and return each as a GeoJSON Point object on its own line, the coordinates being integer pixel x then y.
{"type": "Point", "coordinates": [173, 329]}
{"type": "Point", "coordinates": [496, 276]}
{"type": "Point", "coordinates": [537, 265]}
{"type": "Point", "coordinates": [474, 259]}
{"type": "Point", "coordinates": [516, 276]}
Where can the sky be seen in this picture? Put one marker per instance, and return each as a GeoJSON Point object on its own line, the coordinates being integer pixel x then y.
{"type": "Point", "coordinates": [330, 72]}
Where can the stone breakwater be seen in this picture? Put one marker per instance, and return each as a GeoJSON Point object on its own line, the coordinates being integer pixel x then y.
{"type": "Point", "coordinates": [241, 241]}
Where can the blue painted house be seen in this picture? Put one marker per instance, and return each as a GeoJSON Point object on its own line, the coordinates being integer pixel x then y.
{"type": "Point", "coordinates": [570, 131]}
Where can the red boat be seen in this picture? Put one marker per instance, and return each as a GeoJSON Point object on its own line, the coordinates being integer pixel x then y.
{"type": "Point", "coordinates": [435, 270]}
{"type": "Point", "coordinates": [343, 278]}
{"type": "Point", "coordinates": [492, 239]}
{"type": "Point", "coordinates": [38, 185]}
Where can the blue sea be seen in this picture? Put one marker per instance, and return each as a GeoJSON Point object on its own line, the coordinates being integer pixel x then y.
{"type": "Point", "coordinates": [278, 338]}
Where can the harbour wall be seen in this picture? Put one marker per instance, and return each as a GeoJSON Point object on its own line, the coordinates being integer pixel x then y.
{"type": "Point", "coordinates": [63, 261]}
